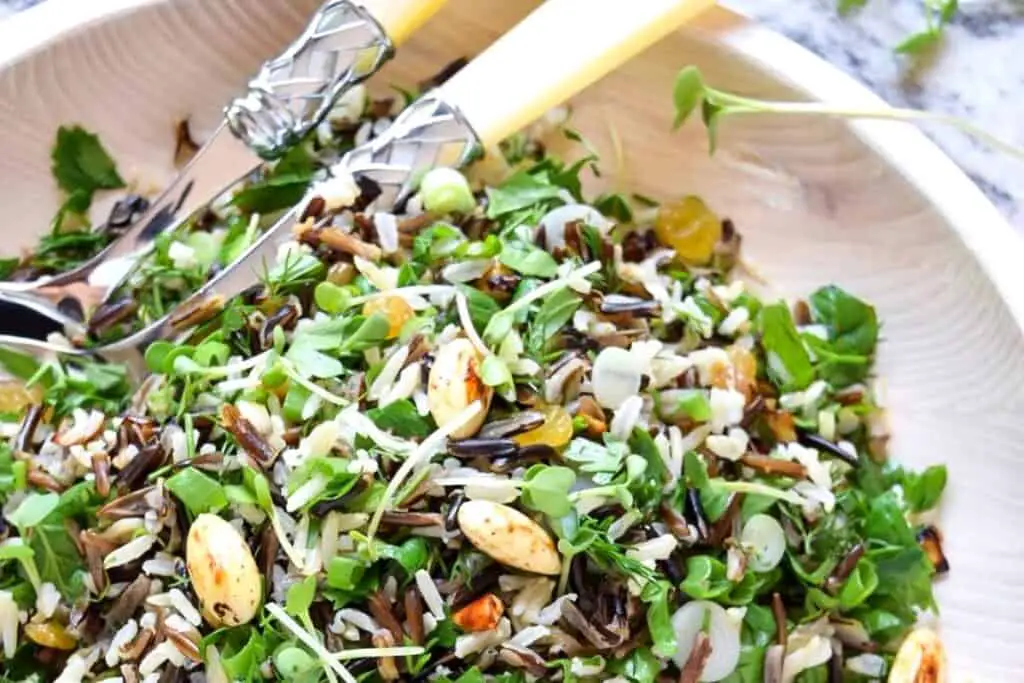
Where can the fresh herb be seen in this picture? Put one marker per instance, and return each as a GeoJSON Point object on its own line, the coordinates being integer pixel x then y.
{"type": "Point", "coordinates": [198, 491]}
{"type": "Point", "coordinates": [789, 366]}
{"type": "Point", "coordinates": [691, 92]}
{"type": "Point", "coordinates": [401, 418]}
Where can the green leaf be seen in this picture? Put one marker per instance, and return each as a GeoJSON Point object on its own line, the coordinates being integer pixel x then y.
{"type": "Point", "coordinates": [687, 93]}
{"type": "Point", "coordinates": [412, 554]}
{"type": "Point", "coordinates": [694, 404]}
{"type": "Point", "coordinates": [923, 491]}
{"type": "Point", "coordinates": [19, 364]}
{"type": "Point", "coordinates": [81, 163]}
{"type": "Point", "coordinates": [300, 597]}
{"type": "Point", "coordinates": [256, 482]}
{"type": "Point", "coordinates": [705, 578]}
{"type": "Point", "coordinates": [602, 461]}
{"type": "Point", "coordinates": [639, 666]}
{"type": "Point", "coordinates": [312, 363]}
{"type": "Point", "coordinates": [345, 573]}
{"type": "Point", "coordinates": [750, 668]}
{"type": "Point", "coordinates": [156, 355]}
{"type": "Point", "coordinates": [852, 324]}
{"type": "Point", "coordinates": [482, 308]}
{"type": "Point", "coordinates": [8, 266]}
{"type": "Point", "coordinates": [368, 333]}
{"type": "Point", "coordinates": [547, 489]}
{"type": "Point", "coordinates": [555, 312]}
{"type": "Point", "coordinates": [919, 42]}
{"type": "Point", "coordinates": [282, 188]}
{"type": "Point", "coordinates": [521, 191]}
{"type": "Point", "coordinates": [528, 260]}
{"type": "Point", "coordinates": [615, 206]}
{"type": "Point", "coordinates": [198, 491]}
{"type": "Point", "coordinates": [494, 372]}
{"type": "Point", "coordinates": [56, 555]}
{"type": "Point", "coordinates": [659, 618]}
{"type": "Point", "coordinates": [401, 418]}
{"type": "Point", "coordinates": [33, 510]}
{"type": "Point", "coordinates": [330, 298]}
{"type": "Point", "coordinates": [713, 500]}
{"type": "Point", "coordinates": [789, 366]}
{"type": "Point", "coordinates": [338, 480]}
{"type": "Point", "coordinates": [440, 239]}
{"type": "Point", "coordinates": [859, 586]}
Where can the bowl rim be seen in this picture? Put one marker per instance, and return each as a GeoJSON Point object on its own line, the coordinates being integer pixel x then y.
{"type": "Point", "coordinates": [981, 227]}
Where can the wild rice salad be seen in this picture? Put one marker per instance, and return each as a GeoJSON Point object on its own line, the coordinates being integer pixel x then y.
{"type": "Point", "coordinates": [503, 434]}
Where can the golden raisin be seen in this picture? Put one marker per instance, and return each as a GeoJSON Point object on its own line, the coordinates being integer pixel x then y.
{"type": "Point", "coordinates": [14, 397]}
{"type": "Point", "coordinates": [50, 634]}
{"type": "Point", "coordinates": [395, 308]}
{"type": "Point", "coordinates": [744, 370]}
{"type": "Point", "coordinates": [690, 228]}
{"type": "Point", "coordinates": [482, 614]}
{"type": "Point", "coordinates": [555, 432]}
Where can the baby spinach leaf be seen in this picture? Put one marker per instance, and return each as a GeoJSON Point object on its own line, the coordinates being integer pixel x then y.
{"type": "Point", "coordinates": [789, 366]}
{"type": "Point", "coordinates": [852, 324]}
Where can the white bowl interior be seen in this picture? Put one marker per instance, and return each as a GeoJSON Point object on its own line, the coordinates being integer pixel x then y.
{"type": "Point", "coordinates": [817, 201]}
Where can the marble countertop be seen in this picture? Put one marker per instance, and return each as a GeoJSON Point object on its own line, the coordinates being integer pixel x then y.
{"type": "Point", "coordinates": [977, 73]}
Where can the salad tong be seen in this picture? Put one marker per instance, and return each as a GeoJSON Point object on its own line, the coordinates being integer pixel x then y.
{"type": "Point", "coordinates": [344, 43]}
{"type": "Point", "coordinates": [451, 124]}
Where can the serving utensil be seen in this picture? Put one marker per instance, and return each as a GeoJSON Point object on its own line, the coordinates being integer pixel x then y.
{"type": "Point", "coordinates": [344, 43]}
{"type": "Point", "coordinates": [503, 89]}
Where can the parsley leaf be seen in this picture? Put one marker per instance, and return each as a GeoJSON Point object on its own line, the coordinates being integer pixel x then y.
{"type": "Point", "coordinates": [80, 163]}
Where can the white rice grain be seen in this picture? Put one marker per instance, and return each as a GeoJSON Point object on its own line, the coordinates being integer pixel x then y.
{"type": "Point", "coordinates": [387, 376]}
{"type": "Point", "coordinates": [471, 643]}
{"type": "Point", "coordinates": [658, 548]}
{"type": "Point", "coordinates": [129, 552]}
{"type": "Point", "coordinates": [307, 492]}
{"type": "Point", "coordinates": [360, 620]}
{"type": "Point", "coordinates": [626, 417]}
{"type": "Point", "coordinates": [185, 607]}
{"type": "Point", "coordinates": [158, 655]}
{"type": "Point", "coordinates": [8, 624]}
{"type": "Point", "coordinates": [47, 600]}
{"type": "Point", "coordinates": [431, 596]}
{"type": "Point", "coordinates": [553, 612]}
{"type": "Point", "coordinates": [528, 636]}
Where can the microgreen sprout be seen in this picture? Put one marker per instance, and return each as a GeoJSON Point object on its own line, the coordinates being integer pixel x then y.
{"type": "Point", "coordinates": [691, 92]}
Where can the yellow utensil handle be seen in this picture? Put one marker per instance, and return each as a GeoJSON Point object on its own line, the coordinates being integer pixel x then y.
{"type": "Point", "coordinates": [401, 18]}
{"type": "Point", "coordinates": [557, 51]}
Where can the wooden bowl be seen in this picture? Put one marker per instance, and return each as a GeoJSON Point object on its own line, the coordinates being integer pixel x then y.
{"type": "Point", "coordinates": [874, 207]}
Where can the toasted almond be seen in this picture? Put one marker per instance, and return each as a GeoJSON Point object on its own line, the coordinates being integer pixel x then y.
{"type": "Point", "coordinates": [509, 537]}
{"type": "Point", "coordinates": [455, 383]}
{"type": "Point", "coordinates": [921, 659]}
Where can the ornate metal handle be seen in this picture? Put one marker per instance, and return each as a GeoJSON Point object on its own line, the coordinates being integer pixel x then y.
{"type": "Point", "coordinates": [430, 132]}
{"type": "Point", "coordinates": [342, 46]}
